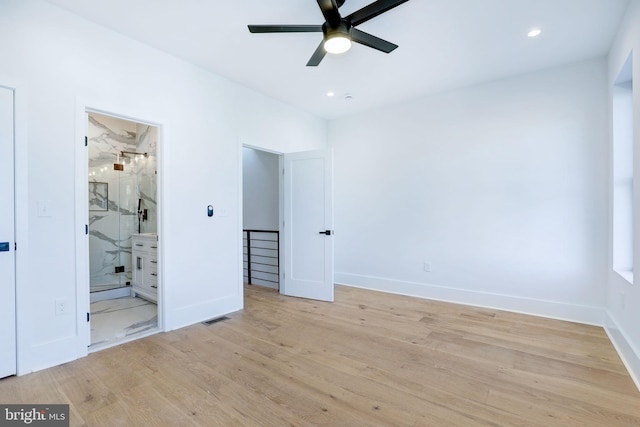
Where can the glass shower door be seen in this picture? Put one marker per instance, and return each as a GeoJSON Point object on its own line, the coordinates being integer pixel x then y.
{"type": "Point", "coordinates": [112, 218]}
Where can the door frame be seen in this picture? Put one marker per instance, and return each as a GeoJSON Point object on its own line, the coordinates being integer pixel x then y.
{"type": "Point", "coordinates": [281, 211]}
{"type": "Point", "coordinates": [21, 220]}
{"type": "Point", "coordinates": [83, 107]}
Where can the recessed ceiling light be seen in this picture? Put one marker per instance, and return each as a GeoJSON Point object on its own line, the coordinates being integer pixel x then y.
{"type": "Point", "coordinates": [330, 94]}
{"type": "Point", "coordinates": [535, 32]}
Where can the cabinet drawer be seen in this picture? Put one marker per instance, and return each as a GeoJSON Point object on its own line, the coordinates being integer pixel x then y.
{"type": "Point", "coordinates": [144, 245]}
{"type": "Point", "coordinates": [144, 250]}
{"type": "Point", "coordinates": [151, 279]}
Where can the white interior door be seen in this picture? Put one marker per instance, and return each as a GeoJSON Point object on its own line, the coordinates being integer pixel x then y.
{"type": "Point", "coordinates": [7, 238]}
{"type": "Point", "coordinates": [308, 225]}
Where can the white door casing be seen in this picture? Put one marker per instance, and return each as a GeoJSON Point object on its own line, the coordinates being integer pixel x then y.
{"type": "Point", "coordinates": [308, 225]}
{"type": "Point", "coordinates": [7, 236]}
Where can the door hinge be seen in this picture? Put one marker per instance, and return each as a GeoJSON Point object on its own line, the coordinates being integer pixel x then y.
{"type": "Point", "coordinates": [86, 229]}
{"type": "Point", "coordinates": [86, 141]}
{"type": "Point", "coordinates": [15, 246]}
{"type": "Point", "coordinates": [88, 317]}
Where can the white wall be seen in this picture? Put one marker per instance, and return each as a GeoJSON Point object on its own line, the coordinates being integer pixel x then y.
{"type": "Point", "coordinates": [61, 61]}
{"type": "Point", "coordinates": [501, 187]}
{"type": "Point", "coordinates": [261, 190]}
{"type": "Point", "coordinates": [623, 304]}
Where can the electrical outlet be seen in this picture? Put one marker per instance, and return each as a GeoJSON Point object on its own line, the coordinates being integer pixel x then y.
{"type": "Point", "coordinates": [62, 306]}
{"type": "Point", "coordinates": [426, 267]}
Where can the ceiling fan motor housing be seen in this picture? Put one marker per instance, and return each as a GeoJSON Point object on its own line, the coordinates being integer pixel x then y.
{"type": "Point", "coordinates": [342, 29]}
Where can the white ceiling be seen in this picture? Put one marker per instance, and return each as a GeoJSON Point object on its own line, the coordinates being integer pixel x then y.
{"type": "Point", "coordinates": [444, 44]}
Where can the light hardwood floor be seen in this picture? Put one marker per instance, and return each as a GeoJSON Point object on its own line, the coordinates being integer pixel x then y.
{"type": "Point", "coordinates": [369, 359]}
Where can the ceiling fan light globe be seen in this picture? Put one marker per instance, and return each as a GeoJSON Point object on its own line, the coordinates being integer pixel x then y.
{"type": "Point", "coordinates": [337, 44]}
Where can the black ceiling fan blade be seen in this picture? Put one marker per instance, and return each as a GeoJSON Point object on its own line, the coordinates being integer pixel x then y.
{"type": "Point", "coordinates": [371, 11]}
{"type": "Point", "coordinates": [330, 12]}
{"type": "Point", "coordinates": [285, 28]}
{"type": "Point", "coordinates": [317, 56]}
{"type": "Point", "coordinates": [372, 41]}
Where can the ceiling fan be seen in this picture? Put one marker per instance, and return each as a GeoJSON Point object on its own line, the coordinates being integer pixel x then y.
{"type": "Point", "coordinates": [339, 31]}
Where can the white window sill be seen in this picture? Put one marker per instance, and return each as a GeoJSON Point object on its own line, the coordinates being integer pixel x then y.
{"type": "Point", "coordinates": [626, 275]}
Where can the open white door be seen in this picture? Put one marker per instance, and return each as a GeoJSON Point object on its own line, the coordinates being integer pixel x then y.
{"type": "Point", "coordinates": [308, 225]}
{"type": "Point", "coordinates": [7, 239]}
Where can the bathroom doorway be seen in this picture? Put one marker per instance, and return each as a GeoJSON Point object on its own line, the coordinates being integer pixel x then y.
{"type": "Point", "coordinates": [122, 228]}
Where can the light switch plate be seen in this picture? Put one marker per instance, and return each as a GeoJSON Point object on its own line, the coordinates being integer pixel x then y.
{"type": "Point", "coordinates": [44, 209]}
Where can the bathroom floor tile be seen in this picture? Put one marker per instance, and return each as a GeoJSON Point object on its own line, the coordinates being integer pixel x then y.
{"type": "Point", "coordinates": [119, 319]}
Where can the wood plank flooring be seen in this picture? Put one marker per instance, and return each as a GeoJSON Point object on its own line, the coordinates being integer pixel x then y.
{"type": "Point", "coordinates": [369, 359]}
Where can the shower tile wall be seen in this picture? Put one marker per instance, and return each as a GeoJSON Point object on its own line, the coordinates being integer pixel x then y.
{"type": "Point", "coordinates": [147, 175]}
{"type": "Point", "coordinates": [111, 229]}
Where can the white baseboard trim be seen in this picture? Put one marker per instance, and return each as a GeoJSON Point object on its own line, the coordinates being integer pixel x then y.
{"type": "Point", "coordinates": [589, 315]}
{"type": "Point", "coordinates": [202, 311]}
{"type": "Point", "coordinates": [50, 354]}
{"type": "Point", "coordinates": [630, 356]}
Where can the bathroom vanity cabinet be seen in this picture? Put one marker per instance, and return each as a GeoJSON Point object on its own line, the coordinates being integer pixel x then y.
{"type": "Point", "coordinates": [144, 249]}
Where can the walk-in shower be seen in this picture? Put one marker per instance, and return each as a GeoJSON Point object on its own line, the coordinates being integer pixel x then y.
{"type": "Point", "coordinates": [122, 196]}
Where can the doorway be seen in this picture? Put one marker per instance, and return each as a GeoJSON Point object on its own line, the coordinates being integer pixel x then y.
{"type": "Point", "coordinates": [8, 355]}
{"type": "Point", "coordinates": [122, 228]}
{"type": "Point", "coordinates": [305, 218]}
{"type": "Point", "coordinates": [261, 217]}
